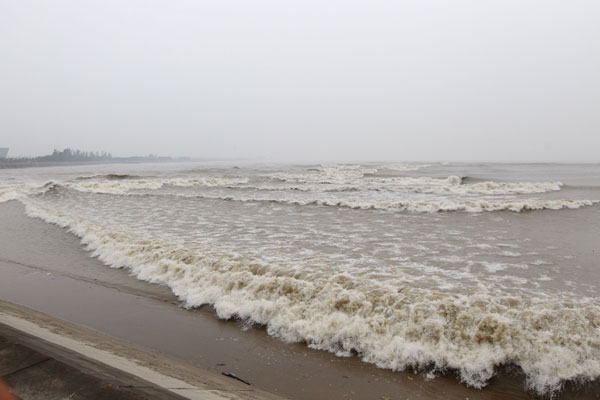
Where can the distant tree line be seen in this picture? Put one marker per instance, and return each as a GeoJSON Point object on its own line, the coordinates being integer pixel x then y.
{"type": "Point", "coordinates": [75, 155]}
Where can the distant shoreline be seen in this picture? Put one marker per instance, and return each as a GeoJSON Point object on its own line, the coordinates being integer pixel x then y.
{"type": "Point", "coordinates": [18, 163]}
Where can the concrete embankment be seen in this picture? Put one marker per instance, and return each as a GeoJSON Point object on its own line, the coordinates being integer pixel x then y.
{"type": "Point", "coordinates": [45, 358]}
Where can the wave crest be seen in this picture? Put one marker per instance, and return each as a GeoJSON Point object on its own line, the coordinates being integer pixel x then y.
{"type": "Point", "coordinates": [125, 185]}
{"type": "Point", "coordinates": [429, 206]}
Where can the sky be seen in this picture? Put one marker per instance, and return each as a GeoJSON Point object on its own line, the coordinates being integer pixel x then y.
{"type": "Point", "coordinates": [419, 80]}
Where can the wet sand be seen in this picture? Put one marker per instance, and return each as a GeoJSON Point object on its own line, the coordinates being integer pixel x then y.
{"type": "Point", "coordinates": [44, 268]}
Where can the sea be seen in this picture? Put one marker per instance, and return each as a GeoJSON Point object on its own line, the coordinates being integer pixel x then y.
{"type": "Point", "coordinates": [431, 267]}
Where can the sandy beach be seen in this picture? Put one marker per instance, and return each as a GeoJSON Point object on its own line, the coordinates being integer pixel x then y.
{"type": "Point", "coordinates": [45, 269]}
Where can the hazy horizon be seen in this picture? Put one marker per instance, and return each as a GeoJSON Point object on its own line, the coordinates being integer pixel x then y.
{"type": "Point", "coordinates": [312, 81]}
{"type": "Point", "coordinates": [315, 161]}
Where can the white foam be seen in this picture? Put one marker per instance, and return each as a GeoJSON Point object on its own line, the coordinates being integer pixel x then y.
{"type": "Point", "coordinates": [404, 167]}
{"type": "Point", "coordinates": [391, 324]}
{"type": "Point", "coordinates": [507, 253]}
{"type": "Point", "coordinates": [343, 185]}
{"type": "Point", "coordinates": [126, 185]}
{"type": "Point", "coordinates": [354, 178]}
{"type": "Point", "coordinates": [539, 262]}
{"type": "Point", "coordinates": [327, 174]}
{"type": "Point", "coordinates": [422, 185]}
{"type": "Point", "coordinates": [115, 187]}
{"type": "Point", "coordinates": [511, 188]}
{"type": "Point", "coordinates": [312, 196]}
{"type": "Point", "coordinates": [10, 193]}
{"type": "Point", "coordinates": [21, 191]}
{"type": "Point", "coordinates": [432, 206]}
{"type": "Point", "coordinates": [494, 267]}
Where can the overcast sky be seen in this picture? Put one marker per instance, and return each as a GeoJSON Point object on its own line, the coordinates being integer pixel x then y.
{"type": "Point", "coordinates": [317, 80]}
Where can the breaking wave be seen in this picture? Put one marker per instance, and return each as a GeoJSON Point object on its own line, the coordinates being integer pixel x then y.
{"type": "Point", "coordinates": [335, 173]}
{"type": "Point", "coordinates": [413, 194]}
{"type": "Point", "coordinates": [18, 192]}
{"type": "Point", "coordinates": [123, 186]}
{"type": "Point", "coordinates": [429, 206]}
{"type": "Point", "coordinates": [110, 177]}
{"type": "Point", "coordinates": [451, 185]}
{"type": "Point", "coordinates": [388, 323]}
{"type": "Point", "coordinates": [442, 186]}
{"type": "Point", "coordinates": [404, 167]}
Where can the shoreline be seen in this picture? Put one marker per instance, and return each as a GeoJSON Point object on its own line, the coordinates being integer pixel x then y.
{"type": "Point", "coordinates": [44, 268]}
{"type": "Point", "coordinates": [16, 164]}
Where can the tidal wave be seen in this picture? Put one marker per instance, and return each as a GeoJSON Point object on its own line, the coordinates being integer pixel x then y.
{"type": "Point", "coordinates": [390, 323]}
{"type": "Point", "coordinates": [123, 186]}
{"type": "Point", "coordinates": [412, 194]}
{"type": "Point", "coordinates": [441, 186]}
{"type": "Point", "coordinates": [433, 206]}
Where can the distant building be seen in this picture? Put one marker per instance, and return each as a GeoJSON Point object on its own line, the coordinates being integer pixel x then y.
{"type": "Point", "coordinates": [3, 152]}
